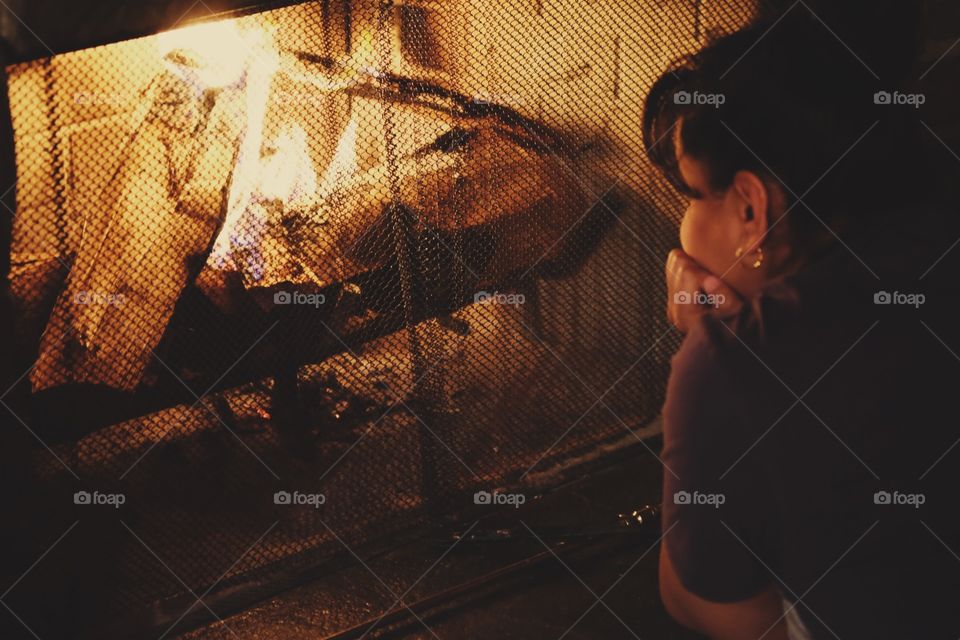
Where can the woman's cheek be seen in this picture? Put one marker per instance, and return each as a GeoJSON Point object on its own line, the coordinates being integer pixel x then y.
{"type": "Point", "coordinates": [691, 240]}
{"type": "Point", "coordinates": [702, 237]}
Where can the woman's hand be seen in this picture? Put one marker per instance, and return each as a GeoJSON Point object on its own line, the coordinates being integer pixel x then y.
{"type": "Point", "coordinates": [693, 291]}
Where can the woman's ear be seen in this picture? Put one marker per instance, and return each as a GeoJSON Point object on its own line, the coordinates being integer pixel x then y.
{"type": "Point", "coordinates": [754, 204]}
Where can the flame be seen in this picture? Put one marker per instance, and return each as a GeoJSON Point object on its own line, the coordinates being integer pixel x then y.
{"type": "Point", "coordinates": [260, 61]}
{"type": "Point", "coordinates": [212, 54]}
{"type": "Point", "coordinates": [249, 60]}
{"type": "Point", "coordinates": [344, 161]}
{"type": "Point", "coordinates": [288, 174]}
{"type": "Point", "coordinates": [364, 58]}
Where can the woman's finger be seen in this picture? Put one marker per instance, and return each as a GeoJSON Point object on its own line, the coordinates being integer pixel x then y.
{"type": "Point", "coordinates": [684, 290]}
{"type": "Point", "coordinates": [721, 296]}
{"type": "Point", "coordinates": [693, 291]}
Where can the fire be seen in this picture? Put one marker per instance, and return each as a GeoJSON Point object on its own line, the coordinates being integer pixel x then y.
{"type": "Point", "coordinates": [288, 174]}
{"type": "Point", "coordinates": [217, 55]}
{"type": "Point", "coordinates": [254, 63]}
{"type": "Point", "coordinates": [282, 178]}
{"type": "Point", "coordinates": [342, 166]}
{"type": "Point", "coordinates": [213, 54]}
{"type": "Point", "coordinates": [344, 162]}
{"type": "Point", "coordinates": [364, 59]}
{"type": "Point", "coordinates": [269, 175]}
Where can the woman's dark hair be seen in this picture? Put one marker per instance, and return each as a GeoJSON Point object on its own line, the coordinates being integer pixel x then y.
{"type": "Point", "coordinates": [791, 101]}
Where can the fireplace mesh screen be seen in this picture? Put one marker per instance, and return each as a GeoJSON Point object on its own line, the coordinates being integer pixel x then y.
{"type": "Point", "coordinates": [313, 275]}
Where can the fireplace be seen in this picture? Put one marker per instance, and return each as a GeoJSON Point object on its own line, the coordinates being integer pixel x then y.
{"type": "Point", "coordinates": [325, 270]}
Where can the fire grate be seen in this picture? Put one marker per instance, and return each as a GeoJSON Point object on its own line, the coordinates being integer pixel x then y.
{"type": "Point", "coordinates": [376, 255]}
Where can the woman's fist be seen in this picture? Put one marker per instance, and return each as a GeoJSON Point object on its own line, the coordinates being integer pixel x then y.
{"type": "Point", "coordinates": [693, 291]}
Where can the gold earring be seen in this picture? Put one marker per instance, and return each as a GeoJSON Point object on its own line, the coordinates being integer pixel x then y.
{"type": "Point", "coordinates": [756, 263]}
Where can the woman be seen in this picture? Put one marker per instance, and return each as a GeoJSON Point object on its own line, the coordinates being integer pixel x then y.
{"type": "Point", "coordinates": [808, 457]}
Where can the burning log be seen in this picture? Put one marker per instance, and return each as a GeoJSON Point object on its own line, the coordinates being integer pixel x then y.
{"type": "Point", "coordinates": [490, 181]}
{"type": "Point", "coordinates": [195, 185]}
{"type": "Point", "coordinates": [488, 178]}
{"type": "Point", "coordinates": [165, 205]}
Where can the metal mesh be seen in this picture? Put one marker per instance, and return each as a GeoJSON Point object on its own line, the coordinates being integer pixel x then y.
{"type": "Point", "coordinates": [391, 254]}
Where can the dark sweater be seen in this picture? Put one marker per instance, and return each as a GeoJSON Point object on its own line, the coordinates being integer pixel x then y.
{"type": "Point", "coordinates": [809, 440]}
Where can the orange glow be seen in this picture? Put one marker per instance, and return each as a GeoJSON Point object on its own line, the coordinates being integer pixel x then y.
{"type": "Point", "coordinates": [344, 162]}
{"type": "Point", "coordinates": [215, 54]}
{"type": "Point", "coordinates": [260, 60]}
{"type": "Point", "coordinates": [364, 57]}
{"type": "Point", "coordinates": [288, 174]}
{"type": "Point", "coordinates": [222, 55]}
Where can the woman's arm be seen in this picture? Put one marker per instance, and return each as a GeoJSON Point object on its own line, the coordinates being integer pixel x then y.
{"type": "Point", "coordinates": [759, 617]}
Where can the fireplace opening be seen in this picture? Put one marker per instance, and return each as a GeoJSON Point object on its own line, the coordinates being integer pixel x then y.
{"type": "Point", "coordinates": [319, 274]}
